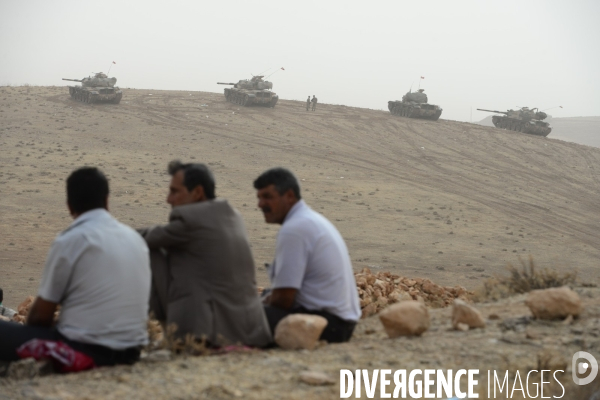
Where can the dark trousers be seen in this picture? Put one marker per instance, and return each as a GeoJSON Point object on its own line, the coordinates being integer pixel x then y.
{"type": "Point", "coordinates": [336, 331]}
{"type": "Point", "coordinates": [13, 335]}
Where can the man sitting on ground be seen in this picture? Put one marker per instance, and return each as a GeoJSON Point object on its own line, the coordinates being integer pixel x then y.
{"type": "Point", "coordinates": [98, 271]}
{"type": "Point", "coordinates": [203, 276]}
{"type": "Point", "coordinates": [312, 272]}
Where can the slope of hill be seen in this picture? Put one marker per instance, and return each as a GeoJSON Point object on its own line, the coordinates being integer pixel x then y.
{"type": "Point", "coordinates": [582, 130]}
{"type": "Point", "coordinates": [445, 200]}
{"type": "Point", "coordinates": [450, 201]}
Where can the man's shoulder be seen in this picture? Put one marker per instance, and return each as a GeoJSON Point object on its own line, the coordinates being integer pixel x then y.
{"type": "Point", "coordinates": [305, 220]}
{"type": "Point", "coordinates": [80, 229]}
{"type": "Point", "coordinates": [199, 211]}
{"type": "Point", "coordinates": [73, 233]}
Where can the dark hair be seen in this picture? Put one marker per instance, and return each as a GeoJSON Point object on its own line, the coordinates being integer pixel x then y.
{"type": "Point", "coordinates": [282, 178]}
{"type": "Point", "coordinates": [193, 175]}
{"type": "Point", "coordinates": [1, 295]}
{"type": "Point", "coordinates": [87, 188]}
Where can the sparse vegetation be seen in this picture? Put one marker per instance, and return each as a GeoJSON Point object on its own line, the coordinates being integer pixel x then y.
{"type": "Point", "coordinates": [166, 339]}
{"type": "Point", "coordinates": [523, 280]}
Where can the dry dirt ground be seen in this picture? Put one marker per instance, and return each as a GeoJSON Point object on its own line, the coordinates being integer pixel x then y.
{"type": "Point", "coordinates": [446, 200]}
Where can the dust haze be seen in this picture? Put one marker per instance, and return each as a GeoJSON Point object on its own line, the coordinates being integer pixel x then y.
{"type": "Point", "coordinates": [471, 54]}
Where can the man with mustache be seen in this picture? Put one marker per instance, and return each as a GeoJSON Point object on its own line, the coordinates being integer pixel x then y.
{"type": "Point", "coordinates": [312, 272]}
{"type": "Point", "coordinates": [203, 276]}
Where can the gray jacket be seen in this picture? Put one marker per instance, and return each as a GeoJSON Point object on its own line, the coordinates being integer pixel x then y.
{"type": "Point", "coordinates": [211, 289]}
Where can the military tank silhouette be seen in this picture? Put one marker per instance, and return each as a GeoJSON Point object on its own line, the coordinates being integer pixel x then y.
{"type": "Point", "coordinates": [248, 92]}
{"type": "Point", "coordinates": [524, 120]}
{"type": "Point", "coordinates": [415, 105]}
{"type": "Point", "coordinates": [95, 89]}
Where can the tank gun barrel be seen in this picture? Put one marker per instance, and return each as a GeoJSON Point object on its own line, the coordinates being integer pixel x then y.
{"type": "Point", "coordinates": [494, 111]}
{"type": "Point", "coordinates": [224, 83]}
{"type": "Point", "coordinates": [72, 80]}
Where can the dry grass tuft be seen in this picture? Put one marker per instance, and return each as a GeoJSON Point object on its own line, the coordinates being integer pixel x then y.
{"type": "Point", "coordinates": [523, 280]}
{"type": "Point", "coordinates": [167, 339]}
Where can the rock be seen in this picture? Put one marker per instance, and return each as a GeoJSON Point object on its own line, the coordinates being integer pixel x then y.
{"type": "Point", "coordinates": [431, 288]}
{"type": "Point", "coordinates": [370, 309]}
{"type": "Point", "coordinates": [552, 360]}
{"type": "Point", "coordinates": [26, 368]}
{"type": "Point", "coordinates": [316, 378]}
{"type": "Point", "coordinates": [462, 313]}
{"type": "Point", "coordinates": [408, 318]}
{"type": "Point", "coordinates": [220, 392]}
{"type": "Point", "coordinates": [299, 331]}
{"type": "Point", "coordinates": [23, 308]}
{"type": "Point", "coordinates": [554, 303]}
{"type": "Point", "coordinates": [461, 327]}
{"type": "Point", "coordinates": [158, 356]}
{"type": "Point", "coordinates": [532, 334]}
{"type": "Point", "coordinates": [568, 320]}
{"type": "Point", "coordinates": [385, 288]}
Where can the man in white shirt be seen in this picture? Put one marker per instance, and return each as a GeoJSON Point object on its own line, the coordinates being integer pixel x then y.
{"type": "Point", "coordinates": [98, 271]}
{"type": "Point", "coordinates": [312, 272]}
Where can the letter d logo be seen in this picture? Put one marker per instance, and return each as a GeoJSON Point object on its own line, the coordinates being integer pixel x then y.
{"type": "Point", "coordinates": [582, 367]}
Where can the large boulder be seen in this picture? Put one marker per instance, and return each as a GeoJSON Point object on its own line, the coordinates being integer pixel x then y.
{"type": "Point", "coordinates": [462, 313]}
{"type": "Point", "coordinates": [407, 318]}
{"type": "Point", "coordinates": [554, 303]}
{"type": "Point", "coordinates": [299, 331]}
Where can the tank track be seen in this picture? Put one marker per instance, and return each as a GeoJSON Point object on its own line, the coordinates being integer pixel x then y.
{"type": "Point", "coordinates": [406, 110]}
{"type": "Point", "coordinates": [86, 97]}
{"type": "Point", "coordinates": [244, 99]}
{"type": "Point", "coordinates": [521, 126]}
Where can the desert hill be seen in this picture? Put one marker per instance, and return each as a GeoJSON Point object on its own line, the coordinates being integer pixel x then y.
{"type": "Point", "coordinates": [450, 201]}
{"type": "Point", "coordinates": [582, 130]}
{"type": "Point", "coordinates": [445, 200]}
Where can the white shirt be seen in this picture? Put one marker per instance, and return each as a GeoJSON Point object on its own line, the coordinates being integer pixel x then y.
{"type": "Point", "coordinates": [311, 256]}
{"type": "Point", "coordinates": [98, 270]}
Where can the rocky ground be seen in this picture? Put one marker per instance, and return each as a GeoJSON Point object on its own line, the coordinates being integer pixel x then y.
{"type": "Point", "coordinates": [512, 340]}
{"type": "Point", "coordinates": [446, 201]}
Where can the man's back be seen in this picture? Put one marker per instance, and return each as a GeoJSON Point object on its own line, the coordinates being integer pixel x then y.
{"type": "Point", "coordinates": [310, 245]}
{"type": "Point", "coordinates": [98, 270]}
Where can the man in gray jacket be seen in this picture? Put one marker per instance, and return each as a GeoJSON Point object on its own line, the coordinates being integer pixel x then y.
{"type": "Point", "coordinates": [203, 275]}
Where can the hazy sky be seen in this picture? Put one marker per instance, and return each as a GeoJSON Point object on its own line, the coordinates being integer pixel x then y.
{"type": "Point", "coordinates": [473, 54]}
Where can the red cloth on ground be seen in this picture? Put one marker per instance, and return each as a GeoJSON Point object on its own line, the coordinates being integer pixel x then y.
{"type": "Point", "coordinates": [65, 358]}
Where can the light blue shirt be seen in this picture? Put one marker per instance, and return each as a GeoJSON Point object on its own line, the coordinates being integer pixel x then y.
{"type": "Point", "coordinates": [98, 270]}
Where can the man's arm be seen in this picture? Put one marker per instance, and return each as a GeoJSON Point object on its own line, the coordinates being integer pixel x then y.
{"type": "Point", "coordinates": [41, 313]}
{"type": "Point", "coordinates": [282, 298]}
{"type": "Point", "coordinates": [174, 234]}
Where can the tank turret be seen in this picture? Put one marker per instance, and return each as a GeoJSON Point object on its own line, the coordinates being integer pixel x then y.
{"type": "Point", "coordinates": [96, 88]}
{"type": "Point", "coordinates": [526, 120]}
{"type": "Point", "coordinates": [415, 105]}
{"type": "Point", "coordinates": [255, 91]}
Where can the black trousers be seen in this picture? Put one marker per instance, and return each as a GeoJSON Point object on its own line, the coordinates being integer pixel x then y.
{"type": "Point", "coordinates": [13, 335]}
{"type": "Point", "coordinates": [336, 331]}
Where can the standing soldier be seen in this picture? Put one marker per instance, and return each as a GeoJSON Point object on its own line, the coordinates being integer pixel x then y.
{"type": "Point", "coordinates": [314, 102]}
{"type": "Point", "coordinates": [308, 103]}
